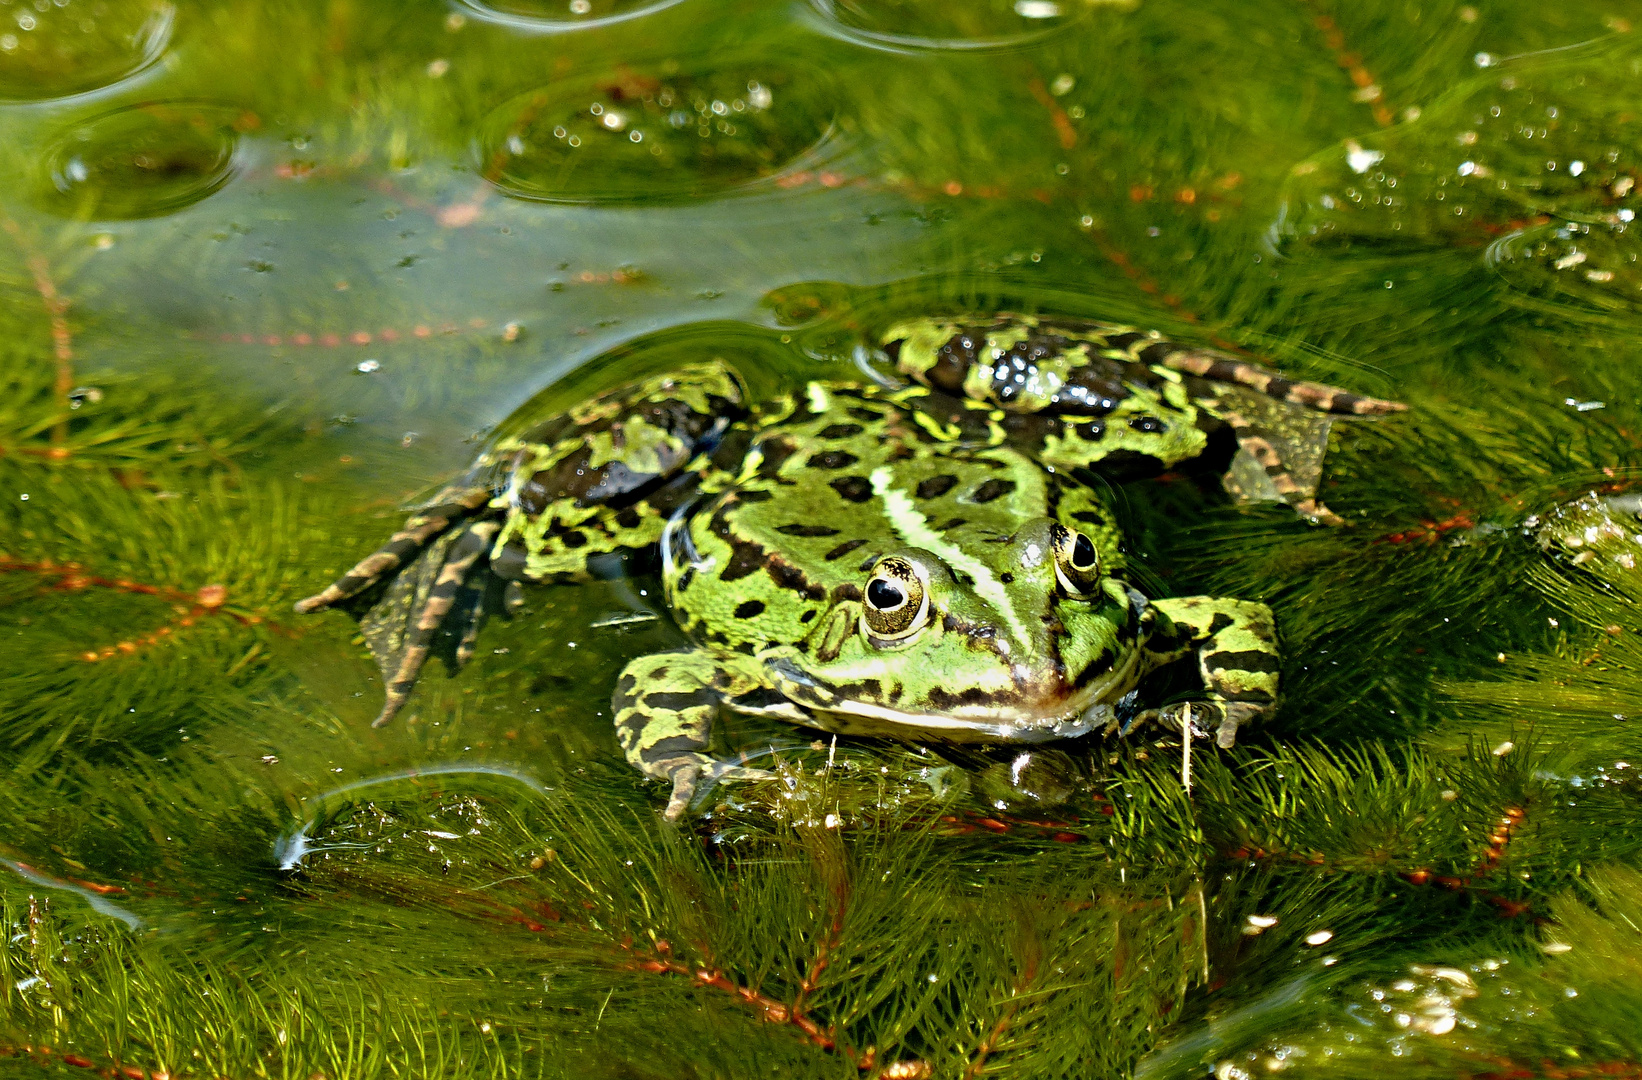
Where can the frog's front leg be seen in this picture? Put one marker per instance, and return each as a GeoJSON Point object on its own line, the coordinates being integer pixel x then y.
{"type": "Point", "coordinates": [664, 708]}
{"type": "Point", "coordinates": [1236, 647]}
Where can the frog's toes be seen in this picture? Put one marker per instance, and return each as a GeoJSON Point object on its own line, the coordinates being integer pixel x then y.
{"type": "Point", "coordinates": [1223, 718]}
{"type": "Point", "coordinates": [452, 506]}
{"type": "Point", "coordinates": [470, 549]}
{"type": "Point", "coordinates": [695, 774]}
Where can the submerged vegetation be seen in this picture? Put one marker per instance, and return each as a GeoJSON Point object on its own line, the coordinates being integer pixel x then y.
{"type": "Point", "coordinates": [267, 272]}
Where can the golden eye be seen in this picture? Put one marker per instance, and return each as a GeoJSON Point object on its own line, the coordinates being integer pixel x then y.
{"type": "Point", "coordinates": [896, 603]}
{"type": "Point", "coordinates": [1077, 563]}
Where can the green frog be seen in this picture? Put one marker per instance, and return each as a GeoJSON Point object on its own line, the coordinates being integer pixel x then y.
{"type": "Point", "coordinates": [928, 554]}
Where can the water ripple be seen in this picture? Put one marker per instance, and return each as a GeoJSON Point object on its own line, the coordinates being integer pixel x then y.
{"type": "Point", "coordinates": [142, 161]}
{"type": "Point", "coordinates": [656, 136]}
{"type": "Point", "coordinates": [76, 47]}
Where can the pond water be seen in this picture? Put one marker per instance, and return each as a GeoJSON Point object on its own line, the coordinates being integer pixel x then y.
{"type": "Point", "coordinates": [272, 272]}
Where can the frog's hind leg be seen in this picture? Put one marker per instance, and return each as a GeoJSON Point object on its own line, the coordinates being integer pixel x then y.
{"type": "Point", "coordinates": [449, 507]}
{"type": "Point", "coordinates": [1218, 367]}
{"type": "Point", "coordinates": [1284, 458]}
{"type": "Point", "coordinates": [1282, 448]}
{"type": "Point", "coordinates": [470, 548]}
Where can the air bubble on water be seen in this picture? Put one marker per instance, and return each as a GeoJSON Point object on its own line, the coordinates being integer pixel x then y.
{"type": "Point", "coordinates": [1361, 160]}
{"type": "Point", "coordinates": [1037, 9]}
{"type": "Point", "coordinates": [366, 367]}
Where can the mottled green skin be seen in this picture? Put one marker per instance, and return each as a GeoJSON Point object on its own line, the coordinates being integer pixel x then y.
{"type": "Point", "coordinates": [957, 489]}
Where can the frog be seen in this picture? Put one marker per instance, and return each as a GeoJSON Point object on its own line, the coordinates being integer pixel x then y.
{"type": "Point", "coordinates": [929, 551]}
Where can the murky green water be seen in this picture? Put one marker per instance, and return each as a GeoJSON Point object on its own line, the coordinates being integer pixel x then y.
{"type": "Point", "coordinates": [271, 271]}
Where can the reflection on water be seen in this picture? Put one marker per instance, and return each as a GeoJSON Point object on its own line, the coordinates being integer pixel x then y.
{"type": "Point", "coordinates": [145, 161]}
{"type": "Point", "coordinates": [548, 16]}
{"type": "Point", "coordinates": [53, 50]}
{"type": "Point", "coordinates": [921, 24]}
{"type": "Point", "coordinates": [637, 136]}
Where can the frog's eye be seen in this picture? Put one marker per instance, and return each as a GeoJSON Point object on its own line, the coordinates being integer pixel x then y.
{"type": "Point", "coordinates": [896, 602]}
{"type": "Point", "coordinates": [1077, 563]}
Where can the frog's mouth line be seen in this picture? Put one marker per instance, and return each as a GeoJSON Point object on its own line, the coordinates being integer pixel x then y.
{"type": "Point", "coordinates": [810, 702]}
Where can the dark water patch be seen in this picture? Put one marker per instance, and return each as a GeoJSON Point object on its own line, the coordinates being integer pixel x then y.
{"type": "Point", "coordinates": [144, 161]}
{"type": "Point", "coordinates": [654, 135]}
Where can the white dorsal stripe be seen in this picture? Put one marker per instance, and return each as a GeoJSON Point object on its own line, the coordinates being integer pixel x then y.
{"type": "Point", "coordinates": [913, 527]}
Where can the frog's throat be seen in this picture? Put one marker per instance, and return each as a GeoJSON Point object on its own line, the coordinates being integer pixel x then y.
{"type": "Point", "coordinates": [1085, 709]}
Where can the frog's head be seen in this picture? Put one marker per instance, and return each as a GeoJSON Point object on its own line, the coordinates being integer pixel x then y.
{"type": "Point", "coordinates": [1018, 637]}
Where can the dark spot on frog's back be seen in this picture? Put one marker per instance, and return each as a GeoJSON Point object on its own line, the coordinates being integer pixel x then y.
{"type": "Point", "coordinates": [1128, 465]}
{"type": "Point", "coordinates": [1149, 425]}
{"type": "Point", "coordinates": [677, 702]}
{"type": "Point", "coordinates": [936, 486]}
{"type": "Point", "coordinates": [791, 578]}
{"type": "Point", "coordinates": [992, 489]}
{"type": "Point", "coordinates": [748, 609]}
{"type": "Point", "coordinates": [1251, 660]}
{"type": "Point", "coordinates": [840, 431]}
{"type": "Point", "coordinates": [1031, 427]}
{"type": "Point", "coordinates": [628, 519]}
{"type": "Point", "coordinates": [745, 558]}
{"type": "Point", "coordinates": [775, 450]}
{"type": "Point", "coordinates": [843, 549]}
{"type": "Point", "coordinates": [856, 489]}
{"type": "Point", "coordinates": [807, 530]}
{"type": "Point", "coordinates": [952, 362]}
{"type": "Point", "coordinates": [832, 459]}
{"type": "Point", "coordinates": [573, 539]}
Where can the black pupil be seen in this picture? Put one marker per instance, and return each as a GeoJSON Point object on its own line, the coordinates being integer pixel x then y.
{"type": "Point", "coordinates": [1083, 553]}
{"type": "Point", "coordinates": [884, 595]}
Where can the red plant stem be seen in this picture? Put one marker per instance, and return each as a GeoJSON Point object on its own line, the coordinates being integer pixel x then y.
{"type": "Point", "coordinates": [1368, 87]}
{"type": "Point", "coordinates": [1064, 130]}
{"type": "Point", "coordinates": [205, 601]}
{"type": "Point", "coordinates": [990, 1044]}
{"type": "Point", "coordinates": [62, 342]}
{"type": "Point", "coordinates": [823, 951]}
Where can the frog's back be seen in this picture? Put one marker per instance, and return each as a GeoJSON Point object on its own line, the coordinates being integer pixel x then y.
{"type": "Point", "coordinates": [836, 477]}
